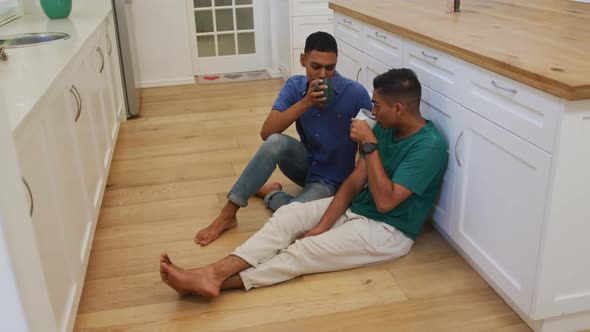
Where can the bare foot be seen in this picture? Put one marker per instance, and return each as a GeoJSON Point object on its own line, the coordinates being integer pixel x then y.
{"type": "Point", "coordinates": [224, 221]}
{"type": "Point", "coordinates": [267, 188]}
{"type": "Point", "coordinates": [199, 280]}
{"type": "Point", "coordinates": [164, 274]}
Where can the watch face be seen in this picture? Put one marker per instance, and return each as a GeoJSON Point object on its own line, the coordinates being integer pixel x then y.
{"type": "Point", "coordinates": [369, 147]}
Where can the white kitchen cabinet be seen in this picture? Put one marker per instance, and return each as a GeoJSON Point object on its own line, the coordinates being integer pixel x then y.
{"type": "Point", "coordinates": [445, 114]}
{"type": "Point", "coordinates": [88, 130]}
{"type": "Point", "coordinates": [37, 155]}
{"type": "Point", "coordinates": [501, 187]}
{"type": "Point", "coordinates": [371, 69]}
{"type": "Point", "coordinates": [514, 197]}
{"type": "Point", "coordinates": [115, 65]}
{"type": "Point", "coordinates": [107, 87]}
{"type": "Point", "coordinates": [297, 20]}
{"type": "Point", "coordinates": [350, 62]}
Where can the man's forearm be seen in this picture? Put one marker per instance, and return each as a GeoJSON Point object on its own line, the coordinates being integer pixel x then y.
{"type": "Point", "coordinates": [277, 121]}
{"type": "Point", "coordinates": [342, 201]}
{"type": "Point", "coordinates": [379, 183]}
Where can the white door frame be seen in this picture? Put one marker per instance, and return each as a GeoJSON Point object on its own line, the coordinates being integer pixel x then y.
{"type": "Point", "coordinates": [255, 62]}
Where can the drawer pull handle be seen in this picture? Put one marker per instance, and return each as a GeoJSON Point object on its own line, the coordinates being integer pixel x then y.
{"type": "Point", "coordinates": [32, 207]}
{"type": "Point", "coordinates": [346, 21]}
{"type": "Point", "coordinates": [101, 59]}
{"type": "Point", "coordinates": [380, 36]}
{"type": "Point", "coordinates": [110, 44]}
{"type": "Point", "coordinates": [497, 86]}
{"type": "Point", "coordinates": [456, 144]}
{"type": "Point", "coordinates": [429, 56]}
{"type": "Point", "coordinates": [358, 73]}
{"type": "Point", "coordinates": [76, 95]}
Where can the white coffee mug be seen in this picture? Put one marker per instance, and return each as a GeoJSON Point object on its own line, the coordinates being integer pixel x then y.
{"type": "Point", "coordinates": [366, 115]}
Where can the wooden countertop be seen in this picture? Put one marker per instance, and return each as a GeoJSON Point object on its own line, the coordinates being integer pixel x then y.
{"type": "Point", "coordinates": [541, 43]}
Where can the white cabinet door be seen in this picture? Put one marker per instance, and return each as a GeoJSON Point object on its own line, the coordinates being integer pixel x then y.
{"type": "Point", "coordinates": [74, 205]}
{"type": "Point", "coordinates": [95, 82]}
{"type": "Point", "coordinates": [305, 26]}
{"type": "Point", "coordinates": [310, 7]}
{"type": "Point", "coordinates": [445, 114]}
{"type": "Point", "coordinates": [79, 100]}
{"type": "Point", "coordinates": [501, 189]}
{"type": "Point", "coordinates": [36, 153]}
{"type": "Point", "coordinates": [350, 31]}
{"type": "Point", "coordinates": [107, 86]}
{"type": "Point", "coordinates": [350, 62]}
{"type": "Point", "coordinates": [372, 68]}
{"type": "Point", "coordinates": [115, 64]}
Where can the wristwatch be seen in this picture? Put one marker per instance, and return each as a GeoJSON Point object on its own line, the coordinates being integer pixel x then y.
{"type": "Point", "coordinates": [369, 147]}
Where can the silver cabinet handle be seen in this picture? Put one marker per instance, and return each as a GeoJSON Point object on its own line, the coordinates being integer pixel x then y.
{"type": "Point", "coordinates": [358, 73]}
{"type": "Point", "coordinates": [380, 36]}
{"type": "Point", "coordinates": [456, 144]}
{"type": "Point", "coordinates": [76, 95]}
{"type": "Point", "coordinates": [429, 56]}
{"type": "Point", "coordinates": [3, 55]}
{"type": "Point", "coordinates": [101, 59]}
{"type": "Point", "coordinates": [110, 44]}
{"type": "Point", "coordinates": [32, 207]}
{"type": "Point", "coordinates": [496, 85]}
{"type": "Point", "coordinates": [346, 21]}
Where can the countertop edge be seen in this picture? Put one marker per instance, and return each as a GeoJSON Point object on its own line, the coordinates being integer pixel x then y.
{"type": "Point", "coordinates": [548, 85]}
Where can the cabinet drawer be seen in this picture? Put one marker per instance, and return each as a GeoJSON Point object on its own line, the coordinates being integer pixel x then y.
{"type": "Point", "coordinates": [310, 7]}
{"type": "Point", "coordinates": [525, 111]}
{"type": "Point", "coordinates": [349, 30]}
{"type": "Point", "coordinates": [304, 26]}
{"type": "Point", "coordinates": [384, 46]}
{"type": "Point", "coordinates": [435, 69]}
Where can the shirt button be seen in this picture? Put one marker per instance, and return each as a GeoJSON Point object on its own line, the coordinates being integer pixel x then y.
{"type": "Point", "coordinates": [317, 135]}
{"type": "Point", "coordinates": [339, 115]}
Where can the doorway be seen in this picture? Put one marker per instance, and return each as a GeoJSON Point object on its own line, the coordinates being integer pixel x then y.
{"type": "Point", "coordinates": [229, 36]}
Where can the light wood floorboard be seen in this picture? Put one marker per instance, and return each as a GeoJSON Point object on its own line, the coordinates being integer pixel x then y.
{"type": "Point", "coordinates": [170, 173]}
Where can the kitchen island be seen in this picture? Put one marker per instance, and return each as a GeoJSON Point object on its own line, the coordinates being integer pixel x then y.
{"type": "Point", "coordinates": [508, 85]}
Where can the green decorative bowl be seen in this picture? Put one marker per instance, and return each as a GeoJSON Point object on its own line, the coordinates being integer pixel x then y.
{"type": "Point", "coordinates": [56, 8]}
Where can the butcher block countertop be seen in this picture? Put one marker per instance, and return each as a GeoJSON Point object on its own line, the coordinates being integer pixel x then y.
{"type": "Point", "coordinates": [541, 43]}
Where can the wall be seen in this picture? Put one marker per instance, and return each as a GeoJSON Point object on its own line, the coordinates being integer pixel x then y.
{"type": "Point", "coordinates": [161, 42]}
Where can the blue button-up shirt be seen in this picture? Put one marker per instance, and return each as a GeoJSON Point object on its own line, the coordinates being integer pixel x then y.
{"type": "Point", "coordinates": [325, 133]}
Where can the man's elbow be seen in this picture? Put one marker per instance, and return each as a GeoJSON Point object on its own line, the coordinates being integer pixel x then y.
{"type": "Point", "coordinates": [384, 207]}
{"type": "Point", "coordinates": [264, 134]}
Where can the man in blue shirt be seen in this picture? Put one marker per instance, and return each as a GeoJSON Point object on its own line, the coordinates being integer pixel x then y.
{"type": "Point", "coordinates": [325, 154]}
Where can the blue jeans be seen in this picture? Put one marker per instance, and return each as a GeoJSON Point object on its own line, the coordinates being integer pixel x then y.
{"type": "Point", "coordinates": [291, 157]}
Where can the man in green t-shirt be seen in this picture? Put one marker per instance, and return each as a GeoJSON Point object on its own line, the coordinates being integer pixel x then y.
{"type": "Point", "coordinates": [374, 217]}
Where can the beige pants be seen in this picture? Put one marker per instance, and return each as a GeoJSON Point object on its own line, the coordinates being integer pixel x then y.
{"type": "Point", "coordinates": [353, 241]}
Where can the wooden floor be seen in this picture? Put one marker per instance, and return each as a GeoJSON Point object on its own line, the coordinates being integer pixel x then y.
{"type": "Point", "coordinates": [170, 173]}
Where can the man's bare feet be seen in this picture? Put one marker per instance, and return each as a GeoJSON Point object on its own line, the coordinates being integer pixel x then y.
{"type": "Point", "coordinates": [199, 280]}
{"type": "Point", "coordinates": [224, 221]}
{"type": "Point", "coordinates": [164, 274]}
{"type": "Point", "coordinates": [268, 188]}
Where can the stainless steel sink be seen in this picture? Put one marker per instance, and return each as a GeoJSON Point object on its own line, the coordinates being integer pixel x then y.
{"type": "Point", "coordinates": [31, 39]}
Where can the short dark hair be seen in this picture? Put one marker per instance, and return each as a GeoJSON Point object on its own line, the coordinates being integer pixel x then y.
{"type": "Point", "coordinates": [399, 85]}
{"type": "Point", "coordinates": [322, 42]}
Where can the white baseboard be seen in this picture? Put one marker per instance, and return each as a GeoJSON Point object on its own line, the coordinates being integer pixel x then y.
{"type": "Point", "coordinates": [273, 73]}
{"type": "Point", "coordinates": [179, 81]}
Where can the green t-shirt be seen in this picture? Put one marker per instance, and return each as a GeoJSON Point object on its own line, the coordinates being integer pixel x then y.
{"type": "Point", "coordinates": [417, 162]}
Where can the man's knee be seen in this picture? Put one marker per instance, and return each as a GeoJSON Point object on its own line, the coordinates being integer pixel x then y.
{"type": "Point", "coordinates": [274, 145]}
